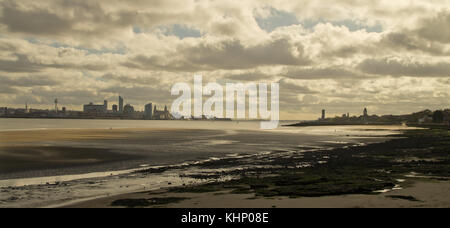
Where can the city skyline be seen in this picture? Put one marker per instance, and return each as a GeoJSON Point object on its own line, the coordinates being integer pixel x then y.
{"type": "Point", "coordinates": [325, 114]}
{"type": "Point", "coordinates": [391, 57]}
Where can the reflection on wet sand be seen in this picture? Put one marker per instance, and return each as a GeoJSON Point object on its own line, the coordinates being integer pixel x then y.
{"type": "Point", "coordinates": [65, 165]}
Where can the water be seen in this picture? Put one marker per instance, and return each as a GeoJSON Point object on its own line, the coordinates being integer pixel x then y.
{"type": "Point", "coordinates": [44, 124]}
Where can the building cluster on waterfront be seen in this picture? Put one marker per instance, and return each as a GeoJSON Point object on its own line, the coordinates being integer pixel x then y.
{"type": "Point", "coordinates": [92, 111]}
{"type": "Point", "coordinates": [423, 117]}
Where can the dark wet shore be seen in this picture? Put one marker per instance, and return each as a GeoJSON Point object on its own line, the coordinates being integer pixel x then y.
{"type": "Point", "coordinates": [40, 153]}
{"type": "Point", "coordinates": [350, 170]}
{"type": "Point", "coordinates": [233, 160]}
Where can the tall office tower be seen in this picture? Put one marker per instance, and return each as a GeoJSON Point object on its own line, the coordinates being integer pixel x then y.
{"type": "Point", "coordinates": [323, 114]}
{"type": "Point", "coordinates": [148, 111]}
{"type": "Point", "coordinates": [120, 104]}
{"type": "Point", "coordinates": [56, 105]}
{"type": "Point", "coordinates": [105, 105]}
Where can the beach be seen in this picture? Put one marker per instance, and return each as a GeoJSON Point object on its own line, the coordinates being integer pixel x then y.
{"type": "Point", "coordinates": [425, 194]}
{"type": "Point", "coordinates": [68, 167]}
{"type": "Point", "coordinates": [425, 182]}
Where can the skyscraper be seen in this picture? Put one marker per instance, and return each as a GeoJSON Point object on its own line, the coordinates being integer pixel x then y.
{"type": "Point", "coordinates": [120, 104]}
{"type": "Point", "coordinates": [148, 114]}
{"type": "Point", "coordinates": [323, 114]}
{"type": "Point", "coordinates": [56, 105]}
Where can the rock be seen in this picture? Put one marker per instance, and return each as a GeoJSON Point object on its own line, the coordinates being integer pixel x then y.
{"type": "Point", "coordinates": [13, 198]}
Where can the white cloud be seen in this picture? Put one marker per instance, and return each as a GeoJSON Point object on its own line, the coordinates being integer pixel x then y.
{"type": "Point", "coordinates": [325, 53]}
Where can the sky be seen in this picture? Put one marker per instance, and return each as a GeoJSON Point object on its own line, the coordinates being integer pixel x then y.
{"type": "Point", "coordinates": [392, 57]}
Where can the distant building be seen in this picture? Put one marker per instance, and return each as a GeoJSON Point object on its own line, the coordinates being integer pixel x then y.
{"type": "Point", "coordinates": [128, 109]}
{"type": "Point", "coordinates": [92, 108]}
{"type": "Point", "coordinates": [120, 104]}
{"type": "Point", "coordinates": [3, 111]}
{"type": "Point", "coordinates": [323, 114]}
{"type": "Point", "coordinates": [148, 113]}
{"type": "Point", "coordinates": [56, 105]}
{"type": "Point", "coordinates": [438, 116]}
{"type": "Point", "coordinates": [425, 119]}
{"type": "Point", "coordinates": [162, 115]}
{"type": "Point", "coordinates": [366, 113]}
{"type": "Point", "coordinates": [115, 108]}
{"type": "Point", "coordinates": [447, 116]}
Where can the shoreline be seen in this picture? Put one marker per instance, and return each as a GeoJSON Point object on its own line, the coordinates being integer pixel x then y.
{"type": "Point", "coordinates": [284, 173]}
{"type": "Point", "coordinates": [298, 187]}
{"type": "Point", "coordinates": [206, 170]}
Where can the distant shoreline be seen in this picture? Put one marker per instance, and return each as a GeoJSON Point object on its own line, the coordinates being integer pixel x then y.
{"type": "Point", "coordinates": [318, 124]}
{"type": "Point", "coordinates": [315, 124]}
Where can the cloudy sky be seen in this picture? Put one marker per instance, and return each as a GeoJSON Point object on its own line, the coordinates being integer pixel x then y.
{"type": "Point", "coordinates": [392, 56]}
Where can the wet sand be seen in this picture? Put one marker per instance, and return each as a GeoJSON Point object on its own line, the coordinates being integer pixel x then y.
{"type": "Point", "coordinates": [60, 162]}
{"type": "Point", "coordinates": [34, 153]}
{"type": "Point", "coordinates": [28, 153]}
{"type": "Point", "coordinates": [369, 176]}
{"type": "Point", "coordinates": [429, 194]}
